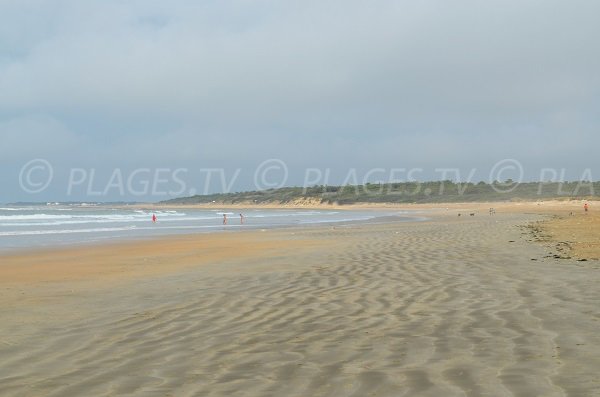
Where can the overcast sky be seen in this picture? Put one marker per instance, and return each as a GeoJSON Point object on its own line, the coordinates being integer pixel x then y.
{"type": "Point", "coordinates": [123, 85]}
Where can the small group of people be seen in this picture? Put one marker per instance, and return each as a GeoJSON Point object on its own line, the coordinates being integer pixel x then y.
{"type": "Point", "coordinates": [241, 219]}
{"type": "Point", "coordinates": [154, 219]}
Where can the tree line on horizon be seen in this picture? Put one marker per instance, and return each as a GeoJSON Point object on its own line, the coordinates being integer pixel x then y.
{"type": "Point", "coordinates": [406, 192]}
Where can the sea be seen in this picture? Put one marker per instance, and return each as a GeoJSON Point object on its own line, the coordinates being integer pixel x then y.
{"type": "Point", "coordinates": [24, 227]}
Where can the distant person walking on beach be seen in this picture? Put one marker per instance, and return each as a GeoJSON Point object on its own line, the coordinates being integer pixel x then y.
{"type": "Point", "coordinates": [585, 207]}
{"type": "Point", "coordinates": [224, 219]}
{"type": "Point", "coordinates": [241, 219]}
{"type": "Point", "coordinates": [153, 218]}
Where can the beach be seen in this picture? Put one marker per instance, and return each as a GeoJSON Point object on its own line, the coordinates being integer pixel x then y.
{"type": "Point", "coordinates": [450, 306]}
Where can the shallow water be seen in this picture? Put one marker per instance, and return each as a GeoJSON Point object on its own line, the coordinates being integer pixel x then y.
{"type": "Point", "coordinates": [51, 225]}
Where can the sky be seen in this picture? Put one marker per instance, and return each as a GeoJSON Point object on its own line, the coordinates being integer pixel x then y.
{"type": "Point", "coordinates": [147, 100]}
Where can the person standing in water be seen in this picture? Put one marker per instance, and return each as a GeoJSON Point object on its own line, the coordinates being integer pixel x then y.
{"type": "Point", "coordinates": [585, 207]}
{"type": "Point", "coordinates": [241, 219]}
{"type": "Point", "coordinates": [153, 218]}
{"type": "Point", "coordinates": [224, 219]}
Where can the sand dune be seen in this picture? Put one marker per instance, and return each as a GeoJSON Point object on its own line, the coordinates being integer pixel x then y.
{"type": "Point", "coordinates": [447, 307]}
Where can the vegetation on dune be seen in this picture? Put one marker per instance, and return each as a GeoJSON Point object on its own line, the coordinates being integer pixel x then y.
{"type": "Point", "coordinates": [405, 192]}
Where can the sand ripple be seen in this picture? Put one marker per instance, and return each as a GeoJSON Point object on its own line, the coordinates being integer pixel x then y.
{"type": "Point", "coordinates": [446, 308]}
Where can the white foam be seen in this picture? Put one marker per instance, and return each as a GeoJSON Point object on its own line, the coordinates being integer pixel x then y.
{"type": "Point", "coordinates": [33, 217]}
{"type": "Point", "coordinates": [38, 224]}
{"type": "Point", "coordinates": [97, 217]}
{"type": "Point", "coordinates": [80, 221]}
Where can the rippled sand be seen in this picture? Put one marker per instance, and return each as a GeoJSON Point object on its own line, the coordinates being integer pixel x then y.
{"type": "Point", "coordinates": [450, 307]}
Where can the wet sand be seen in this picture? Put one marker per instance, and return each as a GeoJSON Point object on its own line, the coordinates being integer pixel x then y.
{"type": "Point", "coordinates": [455, 306]}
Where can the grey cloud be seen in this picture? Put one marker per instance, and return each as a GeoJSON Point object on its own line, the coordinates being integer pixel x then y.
{"type": "Point", "coordinates": [340, 83]}
{"type": "Point", "coordinates": [35, 135]}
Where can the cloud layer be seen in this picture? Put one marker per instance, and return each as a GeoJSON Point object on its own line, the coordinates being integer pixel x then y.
{"type": "Point", "coordinates": [336, 84]}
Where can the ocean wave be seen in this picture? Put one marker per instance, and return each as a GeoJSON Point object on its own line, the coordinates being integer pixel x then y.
{"type": "Point", "coordinates": [33, 217]}
{"type": "Point", "coordinates": [79, 221]}
{"type": "Point", "coordinates": [30, 209]}
{"type": "Point", "coordinates": [108, 217]}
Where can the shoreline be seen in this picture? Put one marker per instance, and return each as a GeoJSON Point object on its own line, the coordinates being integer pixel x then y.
{"type": "Point", "coordinates": [555, 211]}
{"type": "Point", "coordinates": [215, 229]}
{"type": "Point", "coordinates": [35, 264]}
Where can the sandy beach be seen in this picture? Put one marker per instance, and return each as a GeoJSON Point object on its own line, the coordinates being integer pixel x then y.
{"type": "Point", "coordinates": [452, 306]}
